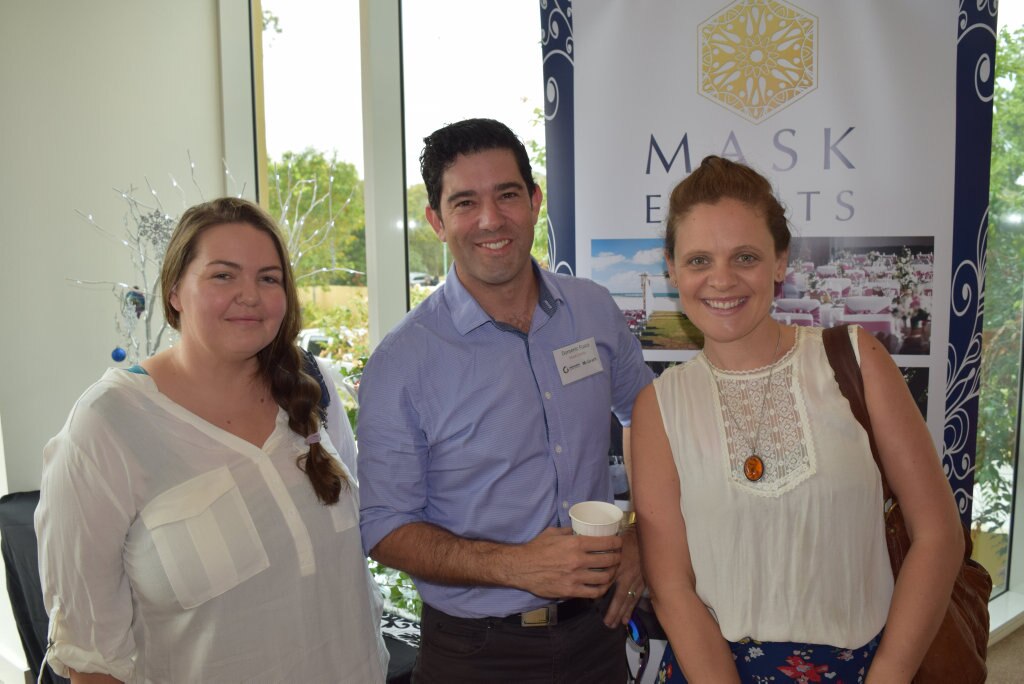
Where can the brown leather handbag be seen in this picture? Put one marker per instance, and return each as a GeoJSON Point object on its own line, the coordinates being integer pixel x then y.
{"type": "Point", "coordinates": [957, 655]}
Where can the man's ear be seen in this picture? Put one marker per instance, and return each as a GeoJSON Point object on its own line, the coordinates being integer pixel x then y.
{"type": "Point", "coordinates": [435, 222]}
{"type": "Point", "coordinates": [535, 200]}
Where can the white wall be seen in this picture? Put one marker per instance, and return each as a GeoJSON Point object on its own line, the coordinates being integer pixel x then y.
{"type": "Point", "coordinates": [93, 95]}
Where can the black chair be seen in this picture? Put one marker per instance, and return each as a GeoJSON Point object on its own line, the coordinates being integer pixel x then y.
{"type": "Point", "coordinates": [403, 658]}
{"type": "Point", "coordinates": [20, 552]}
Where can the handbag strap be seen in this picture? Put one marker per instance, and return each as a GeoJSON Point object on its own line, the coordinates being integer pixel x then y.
{"type": "Point", "coordinates": [839, 350]}
{"type": "Point", "coordinates": [312, 369]}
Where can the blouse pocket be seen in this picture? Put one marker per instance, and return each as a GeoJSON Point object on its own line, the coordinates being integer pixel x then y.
{"type": "Point", "coordinates": [345, 513]}
{"type": "Point", "coordinates": [205, 537]}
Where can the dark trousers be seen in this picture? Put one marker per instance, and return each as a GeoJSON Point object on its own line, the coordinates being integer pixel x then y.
{"type": "Point", "coordinates": [461, 650]}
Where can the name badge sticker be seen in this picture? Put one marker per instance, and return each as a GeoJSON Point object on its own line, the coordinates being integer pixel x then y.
{"type": "Point", "coordinates": [578, 360]}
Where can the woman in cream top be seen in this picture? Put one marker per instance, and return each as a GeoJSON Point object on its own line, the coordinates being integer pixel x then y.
{"type": "Point", "coordinates": [196, 520]}
{"type": "Point", "coordinates": [758, 501]}
{"type": "Point", "coordinates": [812, 521]}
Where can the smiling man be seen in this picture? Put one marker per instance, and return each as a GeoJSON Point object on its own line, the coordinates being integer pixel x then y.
{"type": "Point", "coordinates": [476, 437]}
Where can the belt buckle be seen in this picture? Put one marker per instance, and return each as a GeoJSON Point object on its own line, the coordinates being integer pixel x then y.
{"type": "Point", "coordinates": [540, 617]}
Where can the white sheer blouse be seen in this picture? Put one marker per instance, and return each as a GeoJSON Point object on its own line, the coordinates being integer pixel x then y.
{"type": "Point", "coordinates": [173, 551]}
{"type": "Point", "coordinates": [799, 554]}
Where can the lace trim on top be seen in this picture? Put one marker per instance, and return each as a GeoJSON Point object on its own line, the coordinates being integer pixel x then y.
{"type": "Point", "coordinates": [784, 444]}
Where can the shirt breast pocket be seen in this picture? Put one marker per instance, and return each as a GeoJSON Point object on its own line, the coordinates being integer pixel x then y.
{"type": "Point", "coordinates": [205, 537]}
{"type": "Point", "coordinates": [345, 513]}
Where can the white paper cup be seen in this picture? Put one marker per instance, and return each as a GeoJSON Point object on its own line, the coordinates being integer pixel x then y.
{"type": "Point", "coordinates": [596, 519]}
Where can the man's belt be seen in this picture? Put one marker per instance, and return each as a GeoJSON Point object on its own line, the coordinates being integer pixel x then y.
{"type": "Point", "coordinates": [552, 613]}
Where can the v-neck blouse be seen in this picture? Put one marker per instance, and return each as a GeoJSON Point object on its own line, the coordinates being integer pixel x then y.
{"type": "Point", "coordinates": [172, 550]}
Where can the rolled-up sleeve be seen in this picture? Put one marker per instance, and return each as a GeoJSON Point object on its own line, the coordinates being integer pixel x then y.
{"type": "Point", "coordinates": [81, 522]}
{"type": "Point", "coordinates": [392, 450]}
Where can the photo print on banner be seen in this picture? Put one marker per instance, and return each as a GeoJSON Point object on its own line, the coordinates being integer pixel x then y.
{"type": "Point", "coordinates": [884, 285]}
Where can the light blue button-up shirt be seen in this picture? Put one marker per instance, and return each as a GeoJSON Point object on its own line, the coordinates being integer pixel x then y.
{"type": "Point", "coordinates": [465, 423]}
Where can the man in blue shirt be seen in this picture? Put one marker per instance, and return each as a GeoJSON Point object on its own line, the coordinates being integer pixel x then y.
{"type": "Point", "coordinates": [484, 416]}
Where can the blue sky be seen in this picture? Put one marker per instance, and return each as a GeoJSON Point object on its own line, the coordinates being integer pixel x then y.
{"type": "Point", "coordinates": [617, 264]}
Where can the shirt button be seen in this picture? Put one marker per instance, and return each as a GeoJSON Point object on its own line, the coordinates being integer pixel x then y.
{"type": "Point", "coordinates": [547, 395]}
{"type": "Point", "coordinates": [565, 504]}
{"type": "Point", "coordinates": [558, 448]}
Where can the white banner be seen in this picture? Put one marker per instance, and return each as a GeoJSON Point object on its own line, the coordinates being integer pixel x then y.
{"type": "Point", "coordinates": [848, 108]}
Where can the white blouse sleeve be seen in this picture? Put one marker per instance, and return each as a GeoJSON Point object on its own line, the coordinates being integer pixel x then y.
{"type": "Point", "coordinates": [338, 427]}
{"type": "Point", "coordinates": [81, 522]}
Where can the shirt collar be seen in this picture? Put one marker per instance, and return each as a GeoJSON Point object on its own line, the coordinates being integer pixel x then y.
{"type": "Point", "coordinates": [467, 314]}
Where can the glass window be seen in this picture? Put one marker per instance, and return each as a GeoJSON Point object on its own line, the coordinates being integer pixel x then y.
{"type": "Point", "coordinates": [999, 402]}
{"type": "Point", "coordinates": [457, 66]}
{"type": "Point", "coordinates": [313, 129]}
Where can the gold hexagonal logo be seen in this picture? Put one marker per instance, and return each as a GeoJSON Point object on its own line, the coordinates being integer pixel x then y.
{"type": "Point", "coordinates": [758, 56]}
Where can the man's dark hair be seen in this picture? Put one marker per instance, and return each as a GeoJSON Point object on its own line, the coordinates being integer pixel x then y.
{"type": "Point", "coordinates": [441, 148]}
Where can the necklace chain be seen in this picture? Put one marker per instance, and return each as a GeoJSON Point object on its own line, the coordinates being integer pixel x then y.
{"type": "Point", "coordinates": [753, 467]}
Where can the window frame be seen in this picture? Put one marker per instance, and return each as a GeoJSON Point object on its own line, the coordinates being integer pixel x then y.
{"type": "Point", "coordinates": [241, 76]}
{"type": "Point", "coordinates": [384, 163]}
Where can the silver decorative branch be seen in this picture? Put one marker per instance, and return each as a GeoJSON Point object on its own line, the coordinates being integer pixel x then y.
{"type": "Point", "coordinates": [147, 230]}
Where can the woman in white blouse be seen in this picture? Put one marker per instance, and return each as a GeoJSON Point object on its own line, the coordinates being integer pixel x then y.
{"type": "Point", "coordinates": [759, 504]}
{"type": "Point", "coordinates": [196, 521]}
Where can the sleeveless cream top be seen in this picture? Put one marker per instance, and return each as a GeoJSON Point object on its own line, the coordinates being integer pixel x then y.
{"type": "Point", "coordinates": [798, 555]}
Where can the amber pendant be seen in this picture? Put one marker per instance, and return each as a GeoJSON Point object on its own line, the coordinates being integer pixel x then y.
{"type": "Point", "coordinates": [753, 468]}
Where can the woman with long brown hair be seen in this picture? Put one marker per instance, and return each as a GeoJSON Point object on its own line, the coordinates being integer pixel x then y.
{"type": "Point", "coordinates": [196, 522]}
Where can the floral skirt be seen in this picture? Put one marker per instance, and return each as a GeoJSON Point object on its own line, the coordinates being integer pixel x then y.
{"type": "Point", "coordinates": [781, 662]}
